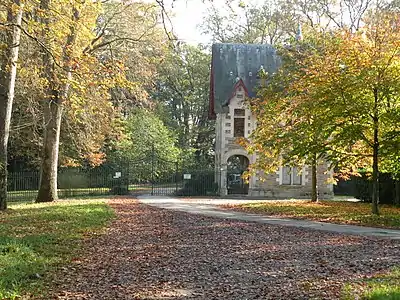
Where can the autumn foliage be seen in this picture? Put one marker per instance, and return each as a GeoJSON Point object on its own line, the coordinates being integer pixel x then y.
{"type": "Point", "coordinates": [335, 98]}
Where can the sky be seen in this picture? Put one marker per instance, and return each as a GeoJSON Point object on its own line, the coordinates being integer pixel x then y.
{"type": "Point", "coordinates": [187, 15]}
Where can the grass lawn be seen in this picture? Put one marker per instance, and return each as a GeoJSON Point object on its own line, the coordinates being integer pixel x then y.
{"type": "Point", "coordinates": [36, 238]}
{"type": "Point", "coordinates": [381, 287]}
{"type": "Point", "coordinates": [340, 212]}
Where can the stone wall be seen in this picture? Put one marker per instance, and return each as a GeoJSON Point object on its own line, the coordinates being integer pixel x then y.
{"type": "Point", "coordinates": [271, 186]}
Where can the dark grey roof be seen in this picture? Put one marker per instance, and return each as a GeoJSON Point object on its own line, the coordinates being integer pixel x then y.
{"type": "Point", "coordinates": [231, 62]}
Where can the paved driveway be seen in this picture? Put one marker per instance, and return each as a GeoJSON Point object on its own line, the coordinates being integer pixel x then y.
{"type": "Point", "coordinates": [153, 253]}
{"type": "Point", "coordinates": [209, 207]}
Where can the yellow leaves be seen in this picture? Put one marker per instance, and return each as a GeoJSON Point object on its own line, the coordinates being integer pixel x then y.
{"type": "Point", "coordinates": [95, 158]}
{"type": "Point", "coordinates": [341, 212]}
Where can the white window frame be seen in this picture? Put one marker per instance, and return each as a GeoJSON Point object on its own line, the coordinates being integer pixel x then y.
{"type": "Point", "coordinates": [292, 174]}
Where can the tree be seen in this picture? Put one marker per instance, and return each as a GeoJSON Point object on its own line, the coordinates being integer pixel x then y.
{"type": "Point", "coordinates": [97, 71]}
{"type": "Point", "coordinates": [370, 91]}
{"type": "Point", "coordinates": [80, 72]}
{"type": "Point", "coordinates": [145, 136]}
{"type": "Point", "coordinates": [181, 94]}
{"type": "Point", "coordinates": [272, 22]}
{"type": "Point", "coordinates": [353, 78]}
{"type": "Point", "coordinates": [291, 128]}
{"type": "Point", "coordinates": [8, 70]}
{"type": "Point", "coordinates": [130, 32]}
{"type": "Point", "coordinates": [276, 21]}
{"type": "Point", "coordinates": [58, 82]}
{"type": "Point", "coordinates": [62, 59]}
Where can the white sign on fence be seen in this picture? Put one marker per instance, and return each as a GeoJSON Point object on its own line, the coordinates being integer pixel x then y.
{"type": "Point", "coordinates": [187, 176]}
{"type": "Point", "coordinates": [117, 175]}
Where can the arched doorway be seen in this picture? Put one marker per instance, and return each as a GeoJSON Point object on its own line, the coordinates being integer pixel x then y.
{"type": "Point", "coordinates": [236, 166]}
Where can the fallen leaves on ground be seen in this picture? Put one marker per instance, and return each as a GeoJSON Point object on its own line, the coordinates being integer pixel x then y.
{"type": "Point", "coordinates": [151, 253]}
{"type": "Point", "coordinates": [339, 212]}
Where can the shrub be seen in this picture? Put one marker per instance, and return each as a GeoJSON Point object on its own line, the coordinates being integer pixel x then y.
{"type": "Point", "coordinates": [363, 188]}
{"type": "Point", "coordinates": [72, 179]}
{"type": "Point", "coordinates": [202, 183]}
{"type": "Point", "coordinates": [119, 186]}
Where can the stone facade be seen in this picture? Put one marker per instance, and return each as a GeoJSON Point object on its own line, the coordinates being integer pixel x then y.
{"type": "Point", "coordinates": [261, 185]}
{"type": "Point", "coordinates": [235, 70]}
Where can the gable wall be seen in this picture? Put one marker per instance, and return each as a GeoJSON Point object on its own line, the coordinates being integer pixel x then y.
{"type": "Point", "coordinates": [271, 184]}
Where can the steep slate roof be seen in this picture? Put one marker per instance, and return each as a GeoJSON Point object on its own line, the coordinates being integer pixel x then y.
{"type": "Point", "coordinates": [232, 63]}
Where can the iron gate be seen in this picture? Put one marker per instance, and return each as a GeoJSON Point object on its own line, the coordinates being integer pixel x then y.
{"type": "Point", "coordinates": [149, 175]}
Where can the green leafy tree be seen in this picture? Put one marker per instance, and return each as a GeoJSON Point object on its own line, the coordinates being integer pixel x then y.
{"type": "Point", "coordinates": [181, 92]}
{"type": "Point", "coordinates": [58, 61]}
{"type": "Point", "coordinates": [291, 127]}
{"type": "Point", "coordinates": [148, 147]}
{"type": "Point", "coordinates": [351, 84]}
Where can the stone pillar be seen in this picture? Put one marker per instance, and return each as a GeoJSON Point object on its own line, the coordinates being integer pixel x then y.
{"type": "Point", "coordinates": [223, 190]}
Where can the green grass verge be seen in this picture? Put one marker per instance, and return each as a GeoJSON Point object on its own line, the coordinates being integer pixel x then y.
{"type": "Point", "coordinates": [341, 212]}
{"type": "Point", "coordinates": [36, 238]}
{"type": "Point", "coordinates": [382, 287]}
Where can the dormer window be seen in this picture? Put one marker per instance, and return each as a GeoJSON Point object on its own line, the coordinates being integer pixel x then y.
{"type": "Point", "coordinates": [239, 122]}
{"type": "Point", "coordinates": [238, 127]}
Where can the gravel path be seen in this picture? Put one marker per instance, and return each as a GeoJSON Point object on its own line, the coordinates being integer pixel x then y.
{"type": "Point", "coordinates": [151, 253]}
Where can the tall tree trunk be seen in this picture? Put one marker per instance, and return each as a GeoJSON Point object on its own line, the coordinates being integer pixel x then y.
{"type": "Point", "coordinates": [8, 74]}
{"type": "Point", "coordinates": [314, 183]}
{"type": "Point", "coordinates": [53, 111]}
{"type": "Point", "coordinates": [375, 155]}
{"type": "Point", "coordinates": [48, 178]}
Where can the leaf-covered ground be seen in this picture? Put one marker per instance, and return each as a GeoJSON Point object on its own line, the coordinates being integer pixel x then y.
{"type": "Point", "coordinates": [340, 212]}
{"type": "Point", "coordinates": [150, 253]}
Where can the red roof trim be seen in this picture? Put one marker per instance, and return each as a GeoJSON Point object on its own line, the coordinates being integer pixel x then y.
{"type": "Point", "coordinates": [211, 111]}
{"type": "Point", "coordinates": [238, 84]}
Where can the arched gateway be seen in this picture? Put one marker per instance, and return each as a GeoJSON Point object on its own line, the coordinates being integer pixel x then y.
{"type": "Point", "coordinates": [236, 166]}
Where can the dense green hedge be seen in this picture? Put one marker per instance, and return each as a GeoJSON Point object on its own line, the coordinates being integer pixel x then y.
{"type": "Point", "coordinates": [387, 188]}
{"type": "Point", "coordinates": [202, 183]}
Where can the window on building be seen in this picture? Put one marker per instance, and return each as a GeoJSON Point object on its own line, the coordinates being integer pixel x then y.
{"type": "Point", "coordinates": [296, 176]}
{"type": "Point", "coordinates": [291, 176]}
{"type": "Point", "coordinates": [238, 127]}
{"type": "Point", "coordinates": [286, 175]}
{"type": "Point", "coordinates": [238, 112]}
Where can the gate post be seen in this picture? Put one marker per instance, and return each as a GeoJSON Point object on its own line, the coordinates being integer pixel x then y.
{"type": "Point", "coordinates": [127, 177]}
{"type": "Point", "coordinates": [176, 177]}
{"type": "Point", "coordinates": [152, 170]}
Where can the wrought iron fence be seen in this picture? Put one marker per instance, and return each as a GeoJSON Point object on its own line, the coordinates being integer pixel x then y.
{"type": "Point", "coordinates": [156, 177]}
